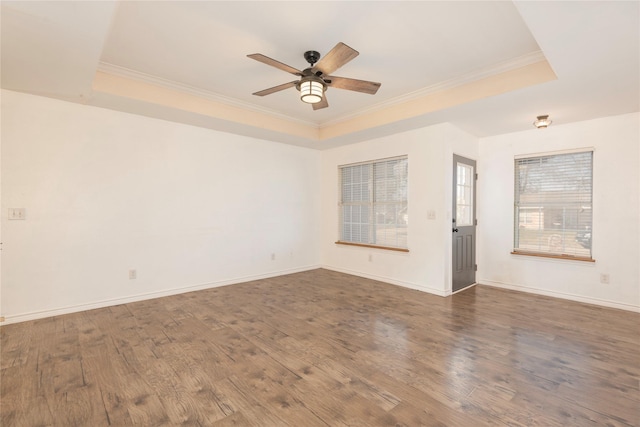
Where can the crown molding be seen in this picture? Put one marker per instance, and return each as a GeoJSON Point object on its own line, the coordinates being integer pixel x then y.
{"type": "Point", "coordinates": [475, 75]}
{"type": "Point", "coordinates": [128, 73]}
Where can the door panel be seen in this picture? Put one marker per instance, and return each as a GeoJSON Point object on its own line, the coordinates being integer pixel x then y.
{"type": "Point", "coordinates": [458, 256]}
{"type": "Point", "coordinates": [469, 258]}
{"type": "Point", "coordinates": [464, 223]}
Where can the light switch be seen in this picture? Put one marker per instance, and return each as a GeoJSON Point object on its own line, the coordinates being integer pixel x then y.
{"type": "Point", "coordinates": [17, 213]}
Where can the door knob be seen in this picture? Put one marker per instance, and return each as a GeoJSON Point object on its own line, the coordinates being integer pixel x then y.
{"type": "Point", "coordinates": [455, 230]}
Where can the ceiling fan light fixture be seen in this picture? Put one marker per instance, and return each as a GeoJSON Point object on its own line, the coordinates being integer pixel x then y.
{"type": "Point", "coordinates": [542, 122]}
{"type": "Point", "coordinates": [316, 79]}
{"type": "Point", "coordinates": [311, 90]}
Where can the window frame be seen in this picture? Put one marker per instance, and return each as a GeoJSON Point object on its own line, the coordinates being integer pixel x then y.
{"type": "Point", "coordinates": [372, 204]}
{"type": "Point", "coordinates": [519, 206]}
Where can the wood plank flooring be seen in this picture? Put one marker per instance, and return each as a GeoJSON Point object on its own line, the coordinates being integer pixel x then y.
{"type": "Point", "coordinates": [321, 348]}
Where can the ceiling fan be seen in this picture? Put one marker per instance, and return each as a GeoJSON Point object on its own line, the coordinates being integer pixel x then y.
{"type": "Point", "coordinates": [315, 79]}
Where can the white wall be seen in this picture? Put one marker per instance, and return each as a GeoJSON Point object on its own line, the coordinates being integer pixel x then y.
{"type": "Point", "coordinates": [427, 265]}
{"type": "Point", "coordinates": [616, 192]}
{"type": "Point", "coordinates": [190, 208]}
{"type": "Point", "coordinates": [106, 192]}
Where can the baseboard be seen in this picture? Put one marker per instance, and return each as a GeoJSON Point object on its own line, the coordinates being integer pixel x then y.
{"type": "Point", "coordinates": [8, 319]}
{"type": "Point", "coordinates": [562, 295]}
{"type": "Point", "coordinates": [462, 290]}
{"type": "Point", "coordinates": [389, 280]}
{"type": "Point", "coordinates": [16, 318]}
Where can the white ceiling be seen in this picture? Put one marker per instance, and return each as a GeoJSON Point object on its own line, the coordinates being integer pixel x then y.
{"type": "Point", "coordinates": [154, 58]}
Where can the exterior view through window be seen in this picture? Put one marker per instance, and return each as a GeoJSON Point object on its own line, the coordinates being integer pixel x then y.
{"type": "Point", "coordinates": [373, 203]}
{"type": "Point", "coordinates": [553, 204]}
{"type": "Point", "coordinates": [464, 194]}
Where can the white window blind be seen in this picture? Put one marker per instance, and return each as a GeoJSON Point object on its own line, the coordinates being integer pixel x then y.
{"type": "Point", "coordinates": [553, 204]}
{"type": "Point", "coordinates": [373, 203]}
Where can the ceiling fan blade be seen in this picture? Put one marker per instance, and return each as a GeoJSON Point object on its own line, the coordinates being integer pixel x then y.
{"type": "Point", "coordinates": [321, 104]}
{"type": "Point", "coordinates": [276, 88]}
{"type": "Point", "coordinates": [353, 84]}
{"type": "Point", "coordinates": [336, 58]}
{"type": "Point", "coordinates": [279, 65]}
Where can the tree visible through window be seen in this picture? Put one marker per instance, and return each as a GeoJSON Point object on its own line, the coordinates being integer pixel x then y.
{"type": "Point", "coordinates": [373, 203]}
{"type": "Point", "coordinates": [553, 204]}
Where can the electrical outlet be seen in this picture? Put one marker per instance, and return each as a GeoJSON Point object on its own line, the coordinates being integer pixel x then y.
{"type": "Point", "coordinates": [431, 215]}
{"type": "Point", "coordinates": [133, 274]}
{"type": "Point", "coordinates": [273, 257]}
{"type": "Point", "coordinates": [604, 278]}
{"type": "Point", "coordinates": [370, 257]}
{"type": "Point", "coordinates": [17, 213]}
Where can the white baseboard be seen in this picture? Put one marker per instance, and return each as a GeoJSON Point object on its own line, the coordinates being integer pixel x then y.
{"type": "Point", "coordinates": [389, 280]}
{"type": "Point", "coordinates": [23, 317]}
{"type": "Point", "coordinates": [463, 289]}
{"type": "Point", "coordinates": [562, 295]}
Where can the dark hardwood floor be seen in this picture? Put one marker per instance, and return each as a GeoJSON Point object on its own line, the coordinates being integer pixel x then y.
{"type": "Point", "coordinates": [321, 348]}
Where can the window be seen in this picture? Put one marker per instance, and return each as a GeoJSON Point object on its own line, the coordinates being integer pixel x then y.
{"type": "Point", "coordinates": [464, 194]}
{"type": "Point", "coordinates": [553, 205]}
{"type": "Point", "coordinates": [373, 203]}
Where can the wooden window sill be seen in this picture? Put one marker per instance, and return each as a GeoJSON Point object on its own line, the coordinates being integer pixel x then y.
{"type": "Point", "coordinates": [565, 257]}
{"type": "Point", "coordinates": [363, 245]}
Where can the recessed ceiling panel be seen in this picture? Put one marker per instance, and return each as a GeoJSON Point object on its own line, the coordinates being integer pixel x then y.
{"type": "Point", "coordinates": [407, 46]}
{"type": "Point", "coordinates": [488, 67]}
